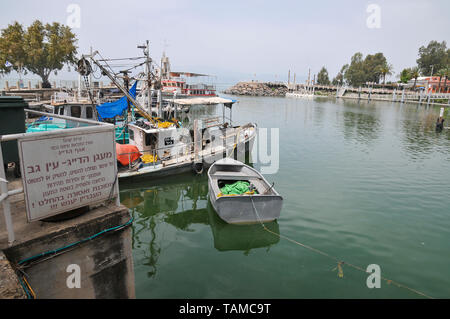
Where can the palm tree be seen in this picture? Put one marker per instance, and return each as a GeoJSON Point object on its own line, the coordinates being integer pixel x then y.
{"type": "Point", "coordinates": [440, 73]}
{"type": "Point", "coordinates": [446, 72]}
{"type": "Point", "coordinates": [415, 75]}
{"type": "Point", "coordinates": [386, 69]}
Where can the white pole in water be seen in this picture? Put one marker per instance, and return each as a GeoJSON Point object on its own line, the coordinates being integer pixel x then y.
{"type": "Point", "coordinates": [441, 113]}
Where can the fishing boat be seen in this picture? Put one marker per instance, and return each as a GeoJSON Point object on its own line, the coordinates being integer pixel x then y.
{"type": "Point", "coordinates": [260, 202]}
{"type": "Point", "coordinates": [164, 147]}
{"type": "Point", "coordinates": [161, 145]}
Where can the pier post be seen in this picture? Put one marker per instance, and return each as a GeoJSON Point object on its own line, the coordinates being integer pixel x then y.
{"type": "Point", "coordinates": [29, 85]}
{"type": "Point", "coordinates": [40, 85]}
{"type": "Point", "coordinates": [403, 95]}
{"type": "Point", "coordinates": [420, 98]}
{"type": "Point", "coordinates": [359, 93]}
{"type": "Point", "coordinates": [6, 85]}
{"type": "Point", "coordinates": [370, 92]}
{"type": "Point", "coordinates": [394, 95]}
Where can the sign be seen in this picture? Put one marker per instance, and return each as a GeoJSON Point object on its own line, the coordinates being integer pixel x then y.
{"type": "Point", "coordinates": [64, 172]}
{"type": "Point", "coordinates": [168, 141]}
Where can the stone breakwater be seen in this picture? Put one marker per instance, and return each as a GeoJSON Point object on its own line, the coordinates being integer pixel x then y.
{"type": "Point", "coordinates": [257, 89]}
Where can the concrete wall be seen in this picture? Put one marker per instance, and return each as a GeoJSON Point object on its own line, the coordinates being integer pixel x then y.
{"type": "Point", "coordinates": [106, 262]}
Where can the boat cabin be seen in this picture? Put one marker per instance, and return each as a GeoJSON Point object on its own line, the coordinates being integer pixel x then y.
{"type": "Point", "coordinates": [79, 110]}
{"type": "Point", "coordinates": [163, 142]}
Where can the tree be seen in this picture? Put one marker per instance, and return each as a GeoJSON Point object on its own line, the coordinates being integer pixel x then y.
{"type": "Point", "coordinates": [372, 66]}
{"type": "Point", "coordinates": [371, 69]}
{"type": "Point", "coordinates": [435, 56]}
{"type": "Point", "coordinates": [339, 78]}
{"type": "Point", "coordinates": [443, 73]}
{"type": "Point", "coordinates": [386, 69]}
{"type": "Point", "coordinates": [41, 49]}
{"type": "Point", "coordinates": [322, 77]}
{"type": "Point", "coordinates": [414, 75]}
{"type": "Point", "coordinates": [405, 75]}
{"type": "Point", "coordinates": [12, 49]}
{"type": "Point", "coordinates": [355, 73]}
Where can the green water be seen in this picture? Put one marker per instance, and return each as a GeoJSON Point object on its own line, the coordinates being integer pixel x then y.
{"type": "Point", "coordinates": [367, 183]}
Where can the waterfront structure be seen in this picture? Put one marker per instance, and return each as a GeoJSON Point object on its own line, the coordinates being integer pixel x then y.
{"type": "Point", "coordinates": [69, 177]}
{"type": "Point", "coordinates": [430, 84]}
{"type": "Point", "coordinates": [177, 83]}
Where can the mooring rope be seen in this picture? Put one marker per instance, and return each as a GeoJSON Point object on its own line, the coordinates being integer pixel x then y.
{"type": "Point", "coordinates": [340, 263]}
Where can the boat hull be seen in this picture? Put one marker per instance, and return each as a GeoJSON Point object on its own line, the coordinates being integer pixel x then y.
{"type": "Point", "coordinates": [240, 151]}
{"type": "Point", "coordinates": [241, 209]}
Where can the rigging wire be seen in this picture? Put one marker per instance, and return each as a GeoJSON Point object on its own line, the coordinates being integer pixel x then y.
{"type": "Point", "coordinates": [120, 59]}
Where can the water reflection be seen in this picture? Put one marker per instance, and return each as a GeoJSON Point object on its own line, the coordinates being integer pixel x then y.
{"type": "Point", "coordinates": [241, 237]}
{"type": "Point", "coordinates": [420, 138]}
{"type": "Point", "coordinates": [360, 124]}
{"type": "Point", "coordinates": [182, 201]}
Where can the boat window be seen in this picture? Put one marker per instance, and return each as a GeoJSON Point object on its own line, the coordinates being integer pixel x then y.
{"type": "Point", "coordinates": [131, 134]}
{"type": "Point", "coordinates": [89, 112]}
{"type": "Point", "coordinates": [75, 111]}
{"type": "Point", "coordinates": [150, 139]}
{"type": "Point", "coordinates": [55, 111]}
{"type": "Point", "coordinates": [61, 110]}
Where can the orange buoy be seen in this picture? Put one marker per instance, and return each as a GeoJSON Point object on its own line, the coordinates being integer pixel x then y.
{"type": "Point", "coordinates": [126, 153]}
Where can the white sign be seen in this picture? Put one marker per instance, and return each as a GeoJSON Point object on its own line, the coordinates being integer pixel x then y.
{"type": "Point", "coordinates": [61, 173]}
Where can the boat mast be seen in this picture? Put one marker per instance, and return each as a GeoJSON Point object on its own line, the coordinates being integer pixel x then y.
{"type": "Point", "coordinates": [148, 61]}
{"type": "Point", "coordinates": [119, 86]}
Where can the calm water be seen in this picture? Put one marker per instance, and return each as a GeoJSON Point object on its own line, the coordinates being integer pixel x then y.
{"type": "Point", "coordinates": [366, 183]}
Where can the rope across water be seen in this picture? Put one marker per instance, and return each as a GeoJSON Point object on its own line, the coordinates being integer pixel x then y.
{"type": "Point", "coordinates": [340, 263]}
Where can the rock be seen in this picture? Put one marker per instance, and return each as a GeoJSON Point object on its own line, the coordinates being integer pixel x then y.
{"type": "Point", "coordinates": [257, 89]}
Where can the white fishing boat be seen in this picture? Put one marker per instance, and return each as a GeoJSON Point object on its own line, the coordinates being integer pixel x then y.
{"type": "Point", "coordinates": [164, 147]}
{"type": "Point", "coordinates": [261, 203]}
{"type": "Point", "coordinates": [161, 145]}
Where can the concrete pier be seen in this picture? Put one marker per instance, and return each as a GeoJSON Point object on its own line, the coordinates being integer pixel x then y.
{"type": "Point", "coordinates": [105, 262]}
{"type": "Point", "coordinates": [10, 286]}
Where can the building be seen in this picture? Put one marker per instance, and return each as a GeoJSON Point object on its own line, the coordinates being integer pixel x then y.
{"type": "Point", "coordinates": [431, 83]}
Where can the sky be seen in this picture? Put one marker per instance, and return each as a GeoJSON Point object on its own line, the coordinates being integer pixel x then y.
{"type": "Point", "coordinates": [246, 39]}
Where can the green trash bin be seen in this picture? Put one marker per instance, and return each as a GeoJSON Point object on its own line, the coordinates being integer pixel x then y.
{"type": "Point", "coordinates": [12, 121]}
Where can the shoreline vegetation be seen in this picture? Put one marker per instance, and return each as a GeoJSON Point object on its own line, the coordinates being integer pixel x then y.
{"type": "Point", "coordinates": [369, 72]}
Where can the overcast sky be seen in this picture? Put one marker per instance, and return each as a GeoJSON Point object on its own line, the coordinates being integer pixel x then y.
{"type": "Point", "coordinates": [237, 39]}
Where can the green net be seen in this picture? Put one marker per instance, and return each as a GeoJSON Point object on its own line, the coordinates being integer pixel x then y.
{"type": "Point", "coordinates": [237, 188]}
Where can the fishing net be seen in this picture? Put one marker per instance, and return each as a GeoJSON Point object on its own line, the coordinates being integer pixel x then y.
{"type": "Point", "coordinates": [237, 188]}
